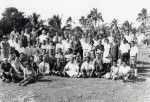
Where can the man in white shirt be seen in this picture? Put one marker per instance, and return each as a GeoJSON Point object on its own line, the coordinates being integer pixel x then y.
{"type": "Point", "coordinates": [87, 68]}
{"type": "Point", "coordinates": [44, 68]}
{"type": "Point", "coordinates": [133, 57]}
{"type": "Point", "coordinates": [124, 51]}
{"type": "Point", "coordinates": [43, 36]}
{"type": "Point", "coordinates": [72, 68]}
{"type": "Point", "coordinates": [61, 46]}
{"type": "Point", "coordinates": [124, 72]}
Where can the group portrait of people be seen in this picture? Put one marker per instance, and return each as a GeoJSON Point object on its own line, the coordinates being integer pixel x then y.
{"type": "Point", "coordinates": [33, 54]}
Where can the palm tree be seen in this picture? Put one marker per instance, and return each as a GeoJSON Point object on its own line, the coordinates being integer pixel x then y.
{"type": "Point", "coordinates": [114, 26]}
{"type": "Point", "coordinates": [143, 18]}
{"type": "Point", "coordinates": [83, 22]}
{"type": "Point", "coordinates": [34, 19]}
{"type": "Point", "coordinates": [55, 23]}
{"type": "Point", "coordinates": [95, 17]}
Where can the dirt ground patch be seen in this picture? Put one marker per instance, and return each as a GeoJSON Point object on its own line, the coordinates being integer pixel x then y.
{"type": "Point", "coordinates": [57, 89]}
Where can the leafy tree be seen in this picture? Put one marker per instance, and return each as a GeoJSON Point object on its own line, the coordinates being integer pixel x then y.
{"type": "Point", "coordinates": [11, 18]}
{"type": "Point", "coordinates": [143, 18]}
{"type": "Point", "coordinates": [95, 17]}
{"type": "Point", "coordinates": [55, 24]}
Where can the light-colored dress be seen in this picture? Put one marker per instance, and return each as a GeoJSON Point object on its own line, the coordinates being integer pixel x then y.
{"type": "Point", "coordinates": [4, 50]}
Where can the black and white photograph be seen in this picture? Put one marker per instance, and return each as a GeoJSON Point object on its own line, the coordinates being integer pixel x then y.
{"type": "Point", "coordinates": [74, 51]}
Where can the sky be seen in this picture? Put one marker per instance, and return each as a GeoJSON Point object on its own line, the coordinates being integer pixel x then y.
{"type": "Point", "coordinates": [110, 9]}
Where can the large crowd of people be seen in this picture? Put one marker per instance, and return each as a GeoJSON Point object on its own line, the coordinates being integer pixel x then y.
{"type": "Point", "coordinates": [31, 55]}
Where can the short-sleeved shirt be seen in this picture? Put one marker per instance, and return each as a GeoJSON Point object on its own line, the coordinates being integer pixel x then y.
{"type": "Point", "coordinates": [124, 70]}
{"type": "Point", "coordinates": [133, 51]}
{"type": "Point", "coordinates": [124, 48]}
{"type": "Point", "coordinates": [87, 66]}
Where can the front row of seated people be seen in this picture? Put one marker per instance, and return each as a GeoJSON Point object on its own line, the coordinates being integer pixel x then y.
{"type": "Point", "coordinates": [29, 71]}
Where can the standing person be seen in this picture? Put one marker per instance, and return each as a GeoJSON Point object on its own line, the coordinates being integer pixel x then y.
{"type": "Point", "coordinates": [99, 47]}
{"type": "Point", "coordinates": [6, 71]}
{"type": "Point", "coordinates": [124, 51]}
{"type": "Point", "coordinates": [5, 48]}
{"type": "Point", "coordinates": [87, 68]}
{"type": "Point", "coordinates": [133, 57]}
{"type": "Point", "coordinates": [61, 46]}
{"type": "Point", "coordinates": [43, 36]}
{"type": "Point", "coordinates": [106, 56]}
{"type": "Point", "coordinates": [56, 38]}
{"type": "Point", "coordinates": [114, 50]}
{"type": "Point", "coordinates": [14, 33]}
{"type": "Point", "coordinates": [23, 40]}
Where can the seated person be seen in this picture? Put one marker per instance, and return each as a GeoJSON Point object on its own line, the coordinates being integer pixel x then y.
{"type": "Point", "coordinates": [44, 68]}
{"type": "Point", "coordinates": [71, 69]}
{"type": "Point", "coordinates": [17, 70]}
{"type": "Point", "coordinates": [124, 72]}
{"type": "Point", "coordinates": [98, 65]}
{"type": "Point", "coordinates": [6, 71]}
{"type": "Point", "coordinates": [114, 71]}
{"type": "Point", "coordinates": [29, 75]}
{"type": "Point", "coordinates": [23, 58]}
{"type": "Point", "coordinates": [58, 67]}
{"type": "Point", "coordinates": [87, 68]}
{"type": "Point", "coordinates": [33, 64]}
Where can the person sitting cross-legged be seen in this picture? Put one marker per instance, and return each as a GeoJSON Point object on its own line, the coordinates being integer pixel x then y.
{"type": "Point", "coordinates": [29, 75]}
{"type": "Point", "coordinates": [6, 71]}
{"type": "Point", "coordinates": [58, 68]}
{"type": "Point", "coordinates": [114, 71]}
{"type": "Point", "coordinates": [124, 72]}
{"type": "Point", "coordinates": [17, 71]}
{"type": "Point", "coordinates": [71, 69]}
{"type": "Point", "coordinates": [44, 68]}
{"type": "Point", "coordinates": [87, 68]}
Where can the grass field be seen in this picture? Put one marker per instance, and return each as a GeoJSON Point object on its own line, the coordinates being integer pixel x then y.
{"type": "Point", "coordinates": [57, 89]}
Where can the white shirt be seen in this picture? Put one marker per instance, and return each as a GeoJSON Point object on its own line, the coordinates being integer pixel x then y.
{"type": "Point", "coordinates": [110, 38]}
{"type": "Point", "coordinates": [60, 45]}
{"type": "Point", "coordinates": [129, 38]}
{"type": "Point", "coordinates": [42, 38]}
{"type": "Point", "coordinates": [72, 69]}
{"type": "Point", "coordinates": [41, 68]}
{"type": "Point", "coordinates": [87, 66]}
{"type": "Point", "coordinates": [124, 70]}
{"type": "Point", "coordinates": [124, 48]}
{"type": "Point", "coordinates": [67, 45]}
{"type": "Point", "coordinates": [133, 51]}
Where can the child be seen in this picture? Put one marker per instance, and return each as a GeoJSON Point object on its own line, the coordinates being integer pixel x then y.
{"type": "Point", "coordinates": [29, 75]}
{"type": "Point", "coordinates": [114, 71]}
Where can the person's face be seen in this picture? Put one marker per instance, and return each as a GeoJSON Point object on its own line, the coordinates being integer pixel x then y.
{"type": "Point", "coordinates": [100, 42]}
{"type": "Point", "coordinates": [5, 40]}
{"type": "Point", "coordinates": [132, 44]}
{"type": "Point", "coordinates": [22, 32]}
{"type": "Point", "coordinates": [44, 52]}
{"type": "Point", "coordinates": [114, 64]}
{"type": "Point", "coordinates": [98, 55]}
{"type": "Point", "coordinates": [6, 61]}
{"type": "Point", "coordinates": [88, 59]}
{"type": "Point", "coordinates": [17, 60]}
{"type": "Point", "coordinates": [124, 64]}
{"type": "Point", "coordinates": [31, 59]}
{"type": "Point", "coordinates": [72, 60]}
{"type": "Point", "coordinates": [21, 56]}
{"type": "Point", "coordinates": [43, 32]}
